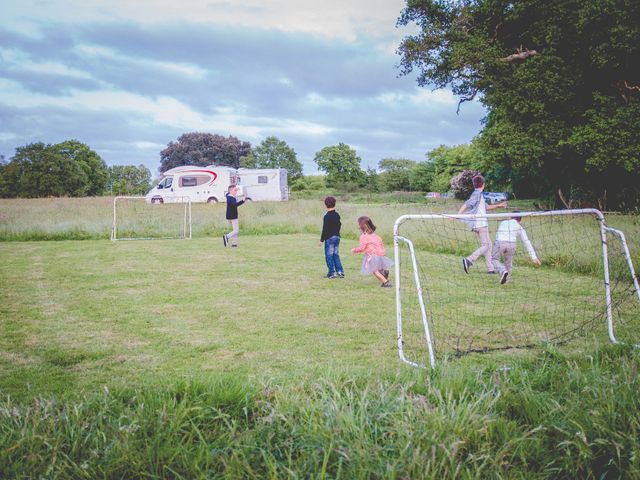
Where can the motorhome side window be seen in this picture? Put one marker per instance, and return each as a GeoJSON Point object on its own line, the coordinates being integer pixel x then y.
{"type": "Point", "coordinates": [194, 181]}
{"type": "Point", "coordinates": [166, 183]}
{"type": "Point", "coordinates": [262, 179]}
{"type": "Point", "coordinates": [188, 182]}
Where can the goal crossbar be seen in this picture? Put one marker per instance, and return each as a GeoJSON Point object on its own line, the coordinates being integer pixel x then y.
{"type": "Point", "coordinates": [425, 321]}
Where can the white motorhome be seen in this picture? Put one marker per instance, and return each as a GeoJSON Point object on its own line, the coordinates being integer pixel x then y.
{"type": "Point", "coordinates": [198, 184]}
{"type": "Point", "coordinates": [264, 184]}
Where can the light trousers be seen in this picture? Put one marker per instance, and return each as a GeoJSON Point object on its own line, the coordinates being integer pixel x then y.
{"type": "Point", "coordinates": [485, 247]}
{"type": "Point", "coordinates": [233, 234]}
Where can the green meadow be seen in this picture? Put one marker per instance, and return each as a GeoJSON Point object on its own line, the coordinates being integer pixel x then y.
{"type": "Point", "coordinates": [183, 359]}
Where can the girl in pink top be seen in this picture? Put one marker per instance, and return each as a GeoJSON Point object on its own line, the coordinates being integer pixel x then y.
{"type": "Point", "coordinates": [374, 261]}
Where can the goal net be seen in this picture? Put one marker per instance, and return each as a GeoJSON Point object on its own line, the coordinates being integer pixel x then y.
{"type": "Point", "coordinates": [586, 285]}
{"type": "Point", "coordinates": [135, 219]}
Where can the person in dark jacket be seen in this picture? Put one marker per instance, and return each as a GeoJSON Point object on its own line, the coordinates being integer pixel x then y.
{"type": "Point", "coordinates": [232, 216]}
{"type": "Point", "coordinates": [331, 238]}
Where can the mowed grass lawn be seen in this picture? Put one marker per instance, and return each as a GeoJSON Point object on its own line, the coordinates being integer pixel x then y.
{"type": "Point", "coordinates": [84, 313]}
{"type": "Point", "coordinates": [183, 359]}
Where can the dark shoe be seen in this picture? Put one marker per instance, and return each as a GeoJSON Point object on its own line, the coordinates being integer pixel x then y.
{"type": "Point", "coordinates": [225, 240]}
{"type": "Point", "coordinates": [466, 264]}
{"type": "Point", "coordinates": [332, 275]}
{"type": "Point", "coordinates": [504, 277]}
{"type": "Point", "coordinates": [234, 246]}
{"type": "Point", "coordinates": [340, 274]}
{"type": "Point", "coordinates": [492, 272]}
{"type": "Point", "coordinates": [385, 274]}
{"type": "Point", "coordinates": [386, 284]}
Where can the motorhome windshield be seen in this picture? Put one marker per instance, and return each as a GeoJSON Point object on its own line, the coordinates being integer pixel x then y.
{"type": "Point", "coordinates": [166, 183]}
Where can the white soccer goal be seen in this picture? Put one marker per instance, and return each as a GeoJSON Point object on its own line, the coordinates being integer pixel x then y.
{"type": "Point", "coordinates": [586, 285]}
{"type": "Point", "coordinates": [136, 219]}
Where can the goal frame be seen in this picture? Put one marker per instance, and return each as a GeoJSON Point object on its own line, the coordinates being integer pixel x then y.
{"type": "Point", "coordinates": [186, 221]}
{"type": "Point", "coordinates": [429, 340]}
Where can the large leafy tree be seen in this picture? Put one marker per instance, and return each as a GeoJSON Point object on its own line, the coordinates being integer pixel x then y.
{"type": "Point", "coordinates": [91, 163]}
{"type": "Point", "coordinates": [203, 149]}
{"type": "Point", "coordinates": [448, 162]}
{"type": "Point", "coordinates": [69, 168]}
{"type": "Point", "coordinates": [274, 153]}
{"type": "Point", "coordinates": [560, 80]}
{"type": "Point", "coordinates": [129, 180]}
{"type": "Point", "coordinates": [38, 170]}
{"type": "Point", "coordinates": [421, 177]}
{"type": "Point", "coordinates": [341, 164]}
{"type": "Point", "coordinates": [396, 173]}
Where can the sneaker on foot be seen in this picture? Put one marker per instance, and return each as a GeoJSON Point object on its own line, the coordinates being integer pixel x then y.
{"type": "Point", "coordinates": [386, 284]}
{"type": "Point", "coordinates": [332, 275]}
{"type": "Point", "coordinates": [504, 277]}
{"type": "Point", "coordinates": [234, 246]}
{"type": "Point", "coordinates": [340, 274]}
{"type": "Point", "coordinates": [466, 264]}
{"type": "Point", "coordinates": [225, 240]}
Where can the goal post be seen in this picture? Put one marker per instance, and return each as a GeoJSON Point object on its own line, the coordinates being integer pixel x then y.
{"type": "Point", "coordinates": [135, 218]}
{"type": "Point", "coordinates": [586, 282]}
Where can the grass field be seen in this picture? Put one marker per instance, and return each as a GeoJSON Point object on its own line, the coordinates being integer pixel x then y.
{"type": "Point", "coordinates": [182, 359]}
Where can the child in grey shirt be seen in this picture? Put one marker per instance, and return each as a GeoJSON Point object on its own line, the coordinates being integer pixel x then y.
{"type": "Point", "coordinates": [476, 205]}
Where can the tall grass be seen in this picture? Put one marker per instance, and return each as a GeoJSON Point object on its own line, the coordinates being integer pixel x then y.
{"type": "Point", "coordinates": [91, 218]}
{"type": "Point", "coordinates": [550, 417]}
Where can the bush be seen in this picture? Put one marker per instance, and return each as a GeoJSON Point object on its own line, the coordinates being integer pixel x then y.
{"type": "Point", "coordinates": [462, 183]}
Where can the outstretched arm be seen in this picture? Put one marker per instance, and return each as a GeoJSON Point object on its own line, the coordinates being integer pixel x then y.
{"type": "Point", "coordinates": [529, 247]}
{"type": "Point", "coordinates": [497, 205]}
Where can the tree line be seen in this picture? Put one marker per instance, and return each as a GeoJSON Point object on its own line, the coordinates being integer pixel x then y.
{"type": "Point", "coordinates": [69, 168]}
{"type": "Point", "coordinates": [73, 169]}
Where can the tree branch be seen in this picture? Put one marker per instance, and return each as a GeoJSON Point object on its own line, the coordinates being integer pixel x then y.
{"type": "Point", "coordinates": [562, 199]}
{"type": "Point", "coordinates": [467, 99]}
{"type": "Point", "coordinates": [521, 55]}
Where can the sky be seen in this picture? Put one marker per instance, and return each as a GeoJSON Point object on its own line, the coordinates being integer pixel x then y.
{"type": "Point", "coordinates": [126, 77]}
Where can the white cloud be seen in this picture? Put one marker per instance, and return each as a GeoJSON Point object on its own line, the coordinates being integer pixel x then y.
{"type": "Point", "coordinates": [419, 97]}
{"type": "Point", "coordinates": [183, 69]}
{"type": "Point", "coordinates": [15, 60]}
{"type": "Point", "coordinates": [346, 20]}
{"type": "Point", "coordinates": [141, 145]}
{"type": "Point", "coordinates": [315, 100]}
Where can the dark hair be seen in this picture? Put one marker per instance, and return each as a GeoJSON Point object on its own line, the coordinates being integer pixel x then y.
{"type": "Point", "coordinates": [517, 219]}
{"type": "Point", "coordinates": [478, 181]}
{"type": "Point", "coordinates": [330, 202]}
{"type": "Point", "coordinates": [366, 225]}
{"type": "Point", "coordinates": [231, 186]}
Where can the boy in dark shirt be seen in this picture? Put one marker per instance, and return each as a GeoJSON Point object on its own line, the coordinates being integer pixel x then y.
{"type": "Point", "coordinates": [331, 238]}
{"type": "Point", "coordinates": [232, 216]}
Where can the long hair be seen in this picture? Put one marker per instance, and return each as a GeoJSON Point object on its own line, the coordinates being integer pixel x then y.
{"type": "Point", "coordinates": [366, 225]}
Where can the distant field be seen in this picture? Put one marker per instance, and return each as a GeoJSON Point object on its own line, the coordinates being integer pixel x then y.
{"type": "Point", "coordinates": [183, 359]}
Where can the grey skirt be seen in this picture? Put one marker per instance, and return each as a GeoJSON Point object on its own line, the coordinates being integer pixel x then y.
{"type": "Point", "coordinates": [372, 263]}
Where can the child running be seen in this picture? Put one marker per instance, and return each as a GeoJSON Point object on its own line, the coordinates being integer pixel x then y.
{"type": "Point", "coordinates": [477, 206]}
{"type": "Point", "coordinates": [505, 246]}
{"type": "Point", "coordinates": [374, 261]}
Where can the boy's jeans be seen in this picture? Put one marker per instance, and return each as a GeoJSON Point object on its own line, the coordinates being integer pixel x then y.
{"type": "Point", "coordinates": [332, 255]}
